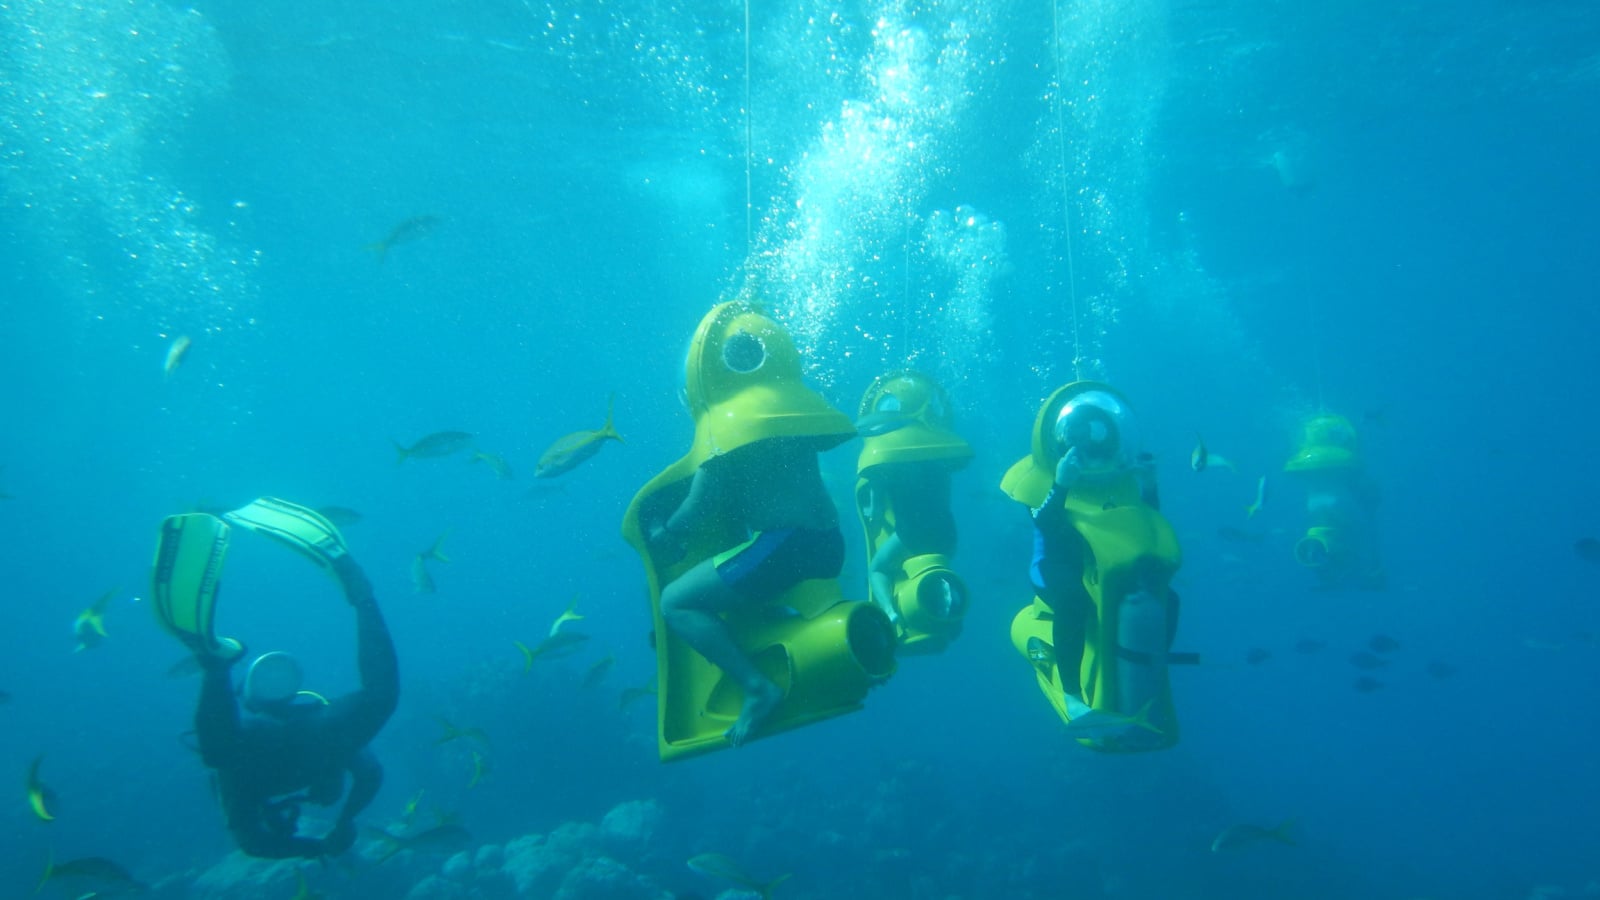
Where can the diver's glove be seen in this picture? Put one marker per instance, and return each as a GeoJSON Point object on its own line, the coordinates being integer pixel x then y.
{"type": "Point", "coordinates": [357, 588]}
{"type": "Point", "coordinates": [1068, 469]}
{"type": "Point", "coordinates": [221, 655]}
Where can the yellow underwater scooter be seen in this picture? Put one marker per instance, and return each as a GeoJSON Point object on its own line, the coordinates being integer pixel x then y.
{"type": "Point", "coordinates": [902, 495]}
{"type": "Point", "coordinates": [744, 384]}
{"type": "Point", "coordinates": [1119, 697]}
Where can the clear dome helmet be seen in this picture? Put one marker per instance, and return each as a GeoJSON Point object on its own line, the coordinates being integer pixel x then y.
{"type": "Point", "coordinates": [1101, 427]}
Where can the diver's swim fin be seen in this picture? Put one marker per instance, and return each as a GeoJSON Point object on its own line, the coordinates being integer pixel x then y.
{"type": "Point", "coordinates": [184, 584]}
{"type": "Point", "coordinates": [302, 528]}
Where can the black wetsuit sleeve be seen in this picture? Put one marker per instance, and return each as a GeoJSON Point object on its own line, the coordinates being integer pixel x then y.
{"type": "Point", "coordinates": [366, 777]}
{"type": "Point", "coordinates": [216, 717]}
{"type": "Point", "coordinates": [355, 719]}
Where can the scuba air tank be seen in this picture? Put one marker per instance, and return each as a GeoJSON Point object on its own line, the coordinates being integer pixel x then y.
{"type": "Point", "coordinates": [1141, 651]}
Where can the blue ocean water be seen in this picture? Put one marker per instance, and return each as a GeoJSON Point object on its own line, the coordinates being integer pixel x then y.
{"type": "Point", "coordinates": [1238, 213]}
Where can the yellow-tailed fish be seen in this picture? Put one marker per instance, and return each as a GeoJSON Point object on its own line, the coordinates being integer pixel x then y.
{"type": "Point", "coordinates": [446, 817]}
{"type": "Point", "coordinates": [571, 615]}
{"type": "Point", "coordinates": [1235, 837]}
{"type": "Point", "coordinates": [176, 351]}
{"type": "Point", "coordinates": [436, 552]}
{"type": "Point", "coordinates": [1587, 549]}
{"type": "Point", "coordinates": [409, 813]}
{"type": "Point", "coordinates": [720, 866]}
{"type": "Point", "coordinates": [40, 797]}
{"type": "Point", "coordinates": [90, 625]}
{"type": "Point", "coordinates": [597, 671]}
{"type": "Point", "coordinates": [1099, 722]}
{"type": "Point", "coordinates": [440, 443]}
{"type": "Point", "coordinates": [631, 694]}
{"type": "Point", "coordinates": [303, 891]}
{"type": "Point", "coordinates": [1201, 459]}
{"type": "Point", "coordinates": [441, 839]}
{"type": "Point", "coordinates": [496, 463]}
{"type": "Point", "coordinates": [480, 769]}
{"type": "Point", "coordinates": [573, 450]}
{"type": "Point", "coordinates": [413, 229]}
{"type": "Point", "coordinates": [561, 644]}
{"type": "Point", "coordinates": [421, 580]}
{"type": "Point", "coordinates": [454, 733]}
{"type": "Point", "coordinates": [1261, 499]}
{"type": "Point", "coordinates": [90, 869]}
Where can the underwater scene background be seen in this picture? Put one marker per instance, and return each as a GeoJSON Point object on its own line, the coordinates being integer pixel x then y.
{"type": "Point", "coordinates": [1239, 213]}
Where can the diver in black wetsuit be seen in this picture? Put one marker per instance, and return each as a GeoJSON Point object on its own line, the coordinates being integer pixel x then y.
{"type": "Point", "coordinates": [298, 752]}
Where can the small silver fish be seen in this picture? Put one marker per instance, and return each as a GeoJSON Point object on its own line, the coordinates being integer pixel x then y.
{"type": "Point", "coordinates": [1382, 643]}
{"type": "Point", "coordinates": [175, 354]}
{"type": "Point", "coordinates": [597, 671]}
{"type": "Point", "coordinates": [638, 692]}
{"type": "Point", "coordinates": [1201, 459]}
{"type": "Point", "coordinates": [94, 869]}
{"type": "Point", "coordinates": [1236, 837]}
{"type": "Point", "coordinates": [719, 866]}
{"type": "Point", "coordinates": [440, 443]}
{"type": "Point", "coordinates": [441, 839]}
{"type": "Point", "coordinates": [413, 229]}
{"type": "Point", "coordinates": [453, 732]}
{"type": "Point", "coordinates": [421, 580]}
{"type": "Point", "coordinates": [496, 463]}
{"type": "Point", "coordinates": [558, 645]}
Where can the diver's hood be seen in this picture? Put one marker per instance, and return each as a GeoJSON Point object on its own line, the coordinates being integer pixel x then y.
{"type": "Point", "coordinates": [272, 680]}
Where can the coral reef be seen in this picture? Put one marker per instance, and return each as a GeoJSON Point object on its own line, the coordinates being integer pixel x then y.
{"type": "Point", "coordinates": [574, 861]}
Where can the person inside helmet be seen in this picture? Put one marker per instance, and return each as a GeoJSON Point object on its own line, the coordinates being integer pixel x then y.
{"type": "Point", "coordinates": [1091, 432]}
